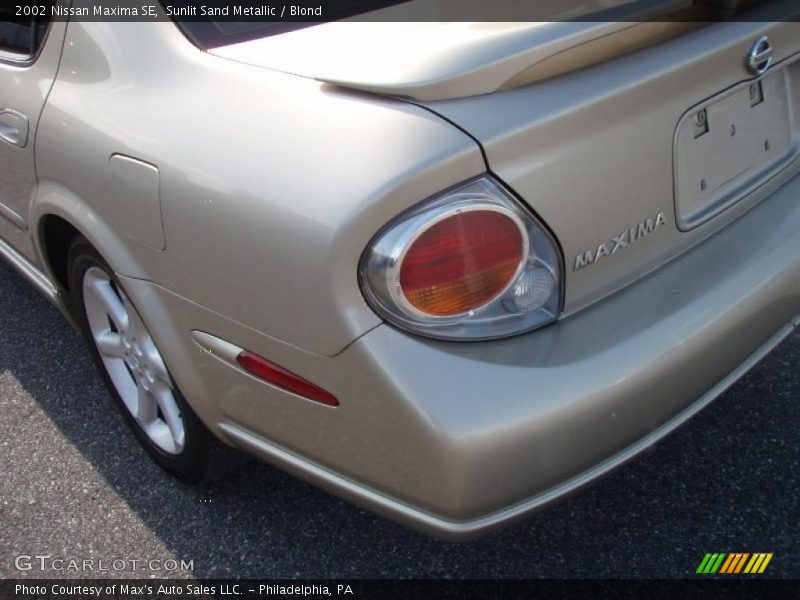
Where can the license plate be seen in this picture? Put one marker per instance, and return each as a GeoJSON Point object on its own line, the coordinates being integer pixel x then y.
{"type": "Point", "coordinates": [729, 145]}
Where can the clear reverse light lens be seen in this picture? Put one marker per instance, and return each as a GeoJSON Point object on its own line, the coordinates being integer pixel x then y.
{"type": "Point", "coordinates": [469, 264]}
{"type": "Point", "coordinates": [533, 288]}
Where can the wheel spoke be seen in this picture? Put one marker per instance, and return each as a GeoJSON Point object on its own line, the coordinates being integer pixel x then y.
{"type": "Point", "coordinates": [111, 302]}
{"type": "Point", "coordinates": [110, 344]}
{"type": "Point", "coordinates": [170, 411]}
{"type": "Point", "coordinates": [146, 409]}
{"type": "Point", "coordinates": [157, 364]}
{"type": "Point", "coordinates": [137, 328]}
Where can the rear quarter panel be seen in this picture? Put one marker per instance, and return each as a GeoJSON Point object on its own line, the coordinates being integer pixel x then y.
{"type": "Point", "coordinates": [271, 185]}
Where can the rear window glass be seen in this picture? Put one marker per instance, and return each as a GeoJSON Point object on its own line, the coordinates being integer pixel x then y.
{"type": "Point", "coordinates": [21, 35]}
{"type": "Point", "coordinates": [15, 37]}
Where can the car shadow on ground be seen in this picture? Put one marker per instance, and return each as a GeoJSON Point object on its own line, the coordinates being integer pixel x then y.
{"type": "Point", "coordinates": [727, 481]}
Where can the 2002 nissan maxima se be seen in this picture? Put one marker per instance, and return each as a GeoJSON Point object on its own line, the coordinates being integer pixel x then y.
{"type": "Point", "coordinates": [451, 278]}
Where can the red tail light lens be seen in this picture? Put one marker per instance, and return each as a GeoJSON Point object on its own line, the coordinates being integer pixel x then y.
{"type": "Point", "coordinates": [280, 377]}
{"type": "Point", "coordinates": [462, 262]}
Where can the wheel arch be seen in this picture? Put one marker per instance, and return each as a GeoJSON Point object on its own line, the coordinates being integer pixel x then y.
{"type": "Point", "coordinates": [59, 211]}
{"type": "Point", "coordinates": [60, 215]}
{"type": "Point", "coordinates": [56, 235]}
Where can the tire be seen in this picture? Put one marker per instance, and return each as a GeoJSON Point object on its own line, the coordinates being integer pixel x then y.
{"type": "Point", "coordinates": [136, 375]}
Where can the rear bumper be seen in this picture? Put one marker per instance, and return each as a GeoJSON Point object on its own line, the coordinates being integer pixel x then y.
{"type": "Point", "coordinates": [457, 439]}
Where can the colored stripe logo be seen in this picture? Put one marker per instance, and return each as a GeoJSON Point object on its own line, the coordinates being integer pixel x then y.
{"type": "Point", "coordinates": [733, 563]}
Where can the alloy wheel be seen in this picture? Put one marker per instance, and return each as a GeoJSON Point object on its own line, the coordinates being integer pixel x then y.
{"type": "Point", "coordinates": [133, 362]}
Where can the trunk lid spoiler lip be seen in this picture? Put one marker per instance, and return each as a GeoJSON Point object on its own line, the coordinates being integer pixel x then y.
{"type": "Point", "coordinates": [428, 61]}
{"type": "Point", "coordinates": [433, 61]}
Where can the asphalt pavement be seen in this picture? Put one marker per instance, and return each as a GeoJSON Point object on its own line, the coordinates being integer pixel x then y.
{"type": "Point", "coordinates": [74, 485]}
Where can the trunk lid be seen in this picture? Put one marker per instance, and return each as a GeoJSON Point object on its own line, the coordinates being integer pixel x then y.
{"type": "Point", "coordinates": [594, 152]}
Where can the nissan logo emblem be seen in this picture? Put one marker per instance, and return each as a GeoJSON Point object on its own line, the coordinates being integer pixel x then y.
{"type": "Point", "coordinates": [759, 58]}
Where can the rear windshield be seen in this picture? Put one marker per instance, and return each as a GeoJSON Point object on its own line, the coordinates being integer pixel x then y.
{"type": "Point", "coordinates": [214, 31]}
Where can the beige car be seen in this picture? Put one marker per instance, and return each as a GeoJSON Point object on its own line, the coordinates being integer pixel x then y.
{"type": "Point", "coordinates": [450, 271]}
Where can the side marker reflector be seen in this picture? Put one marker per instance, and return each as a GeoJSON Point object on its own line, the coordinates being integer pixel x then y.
{"type": "Point", "coordinates": [280, 377]}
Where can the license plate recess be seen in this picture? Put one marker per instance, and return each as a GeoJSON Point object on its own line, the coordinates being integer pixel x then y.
{"type": "Point", "coordinates": [729, 145]}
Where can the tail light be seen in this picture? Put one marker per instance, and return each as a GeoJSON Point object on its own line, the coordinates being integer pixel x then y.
{"type": "Point", "coordinates": [470, 264]}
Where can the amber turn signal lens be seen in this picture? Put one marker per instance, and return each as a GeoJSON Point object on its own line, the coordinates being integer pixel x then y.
{"type": "Point", "coordinates": [462, 262]}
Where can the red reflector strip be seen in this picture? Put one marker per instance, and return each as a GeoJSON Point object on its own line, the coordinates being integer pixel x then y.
{"type": "Point", "coordinates": [280, 377]}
